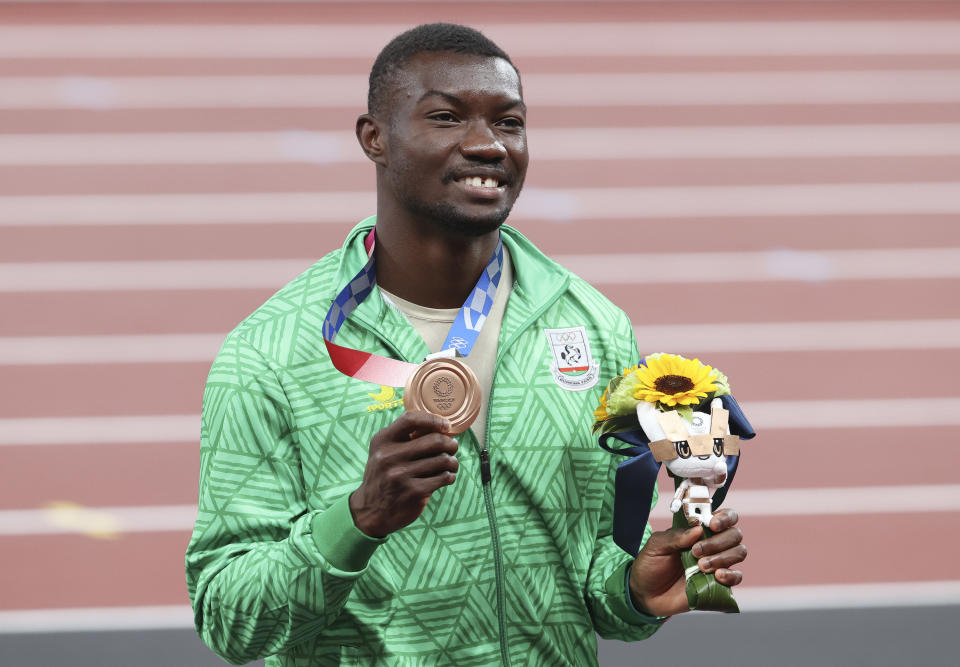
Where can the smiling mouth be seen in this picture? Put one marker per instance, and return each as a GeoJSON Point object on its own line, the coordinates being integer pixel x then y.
{"type": "Point", "coordinates": [480, 182]}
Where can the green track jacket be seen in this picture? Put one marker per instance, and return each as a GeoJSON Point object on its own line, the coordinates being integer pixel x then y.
{"type": "Point", "coordinates": [517, 569]}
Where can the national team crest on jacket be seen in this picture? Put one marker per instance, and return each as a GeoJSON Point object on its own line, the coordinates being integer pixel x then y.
{"type": "Point", "coordinates": [573, 368]}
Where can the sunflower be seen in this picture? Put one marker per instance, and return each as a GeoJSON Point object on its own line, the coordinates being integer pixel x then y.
{"type": "Point", "coordinates": [672, 380]}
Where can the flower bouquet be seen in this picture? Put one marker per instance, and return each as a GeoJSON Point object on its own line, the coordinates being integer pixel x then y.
{"type": "Point", "coordinates": [678, 412]}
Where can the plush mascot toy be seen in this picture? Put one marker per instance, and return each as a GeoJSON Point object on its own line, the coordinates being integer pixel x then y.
{"type": "Point", "coordinates": [677, 412]}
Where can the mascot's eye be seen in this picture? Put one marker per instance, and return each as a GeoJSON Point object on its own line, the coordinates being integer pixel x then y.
{"type": "Point", "coordinates": [683, 449]}
{"type": "Point", "coordinates": [718, 446]}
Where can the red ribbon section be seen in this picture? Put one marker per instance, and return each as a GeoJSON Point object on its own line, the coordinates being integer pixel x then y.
{"type": "Point", "coordinates": [370, 367]}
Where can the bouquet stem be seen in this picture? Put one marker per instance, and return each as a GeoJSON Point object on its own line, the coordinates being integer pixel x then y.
{"type": "Point", "coordinates": [704, 592]}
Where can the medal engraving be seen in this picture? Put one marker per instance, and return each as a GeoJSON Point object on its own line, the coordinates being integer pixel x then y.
{"type": "Point", "coordinates": [444, 387]}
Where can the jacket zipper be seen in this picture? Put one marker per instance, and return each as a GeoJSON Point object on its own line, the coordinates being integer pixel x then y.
{"type": "Point", "coordinates": [486, 475]}
{"type": "Point", "coordinates": [485, 478]}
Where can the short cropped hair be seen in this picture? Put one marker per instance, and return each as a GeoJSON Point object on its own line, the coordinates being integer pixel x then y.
{"type": "Point", "coordinates": [425, 38]}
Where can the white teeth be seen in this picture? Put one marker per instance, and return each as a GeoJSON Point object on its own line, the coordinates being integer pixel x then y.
{"type": "Point", "coordinates": [480, 182]}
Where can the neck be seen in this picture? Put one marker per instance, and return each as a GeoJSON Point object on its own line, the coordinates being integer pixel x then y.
{"type": "Point", "coordinates": [434, 271]}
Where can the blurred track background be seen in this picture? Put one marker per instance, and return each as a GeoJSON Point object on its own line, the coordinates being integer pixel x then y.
{"type": "Point", "coordinates": [772, 186]}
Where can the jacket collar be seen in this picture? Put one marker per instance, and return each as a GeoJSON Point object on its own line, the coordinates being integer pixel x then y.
{"type": "Point", "coordinates": [538, 282]}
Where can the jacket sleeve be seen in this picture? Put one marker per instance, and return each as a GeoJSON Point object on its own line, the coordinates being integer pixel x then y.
{"type": "Point", "coordinates": [608, 596]}
{"type": "Point", "coordinates": [264, 571]}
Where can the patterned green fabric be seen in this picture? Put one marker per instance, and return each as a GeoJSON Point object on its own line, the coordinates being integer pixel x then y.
{"type": "Point", "coordinates": [521, 570]}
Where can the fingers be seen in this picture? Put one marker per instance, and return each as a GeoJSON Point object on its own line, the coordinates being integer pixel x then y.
{"type": "Point", "coordinates": [408, 423]}
{"type": "Point", "coordinates": [670, 541]}
{"type": "Point", "coordinates": [728, 539]}
{"type": "Point", "coordinates": [729, 577]}
{"type": "Point", "coordinates": [425, 486]}
{"type": "Point", "coordinates": [724, 549]}
{"type": "Point", "coordinates": [723, 519]}
{"type": "Point", "coordinates": [723, 560]}
{"type": "Point", "coordinates": [432, 465]}
{"type": "Point", "coordinates": [425, 447]}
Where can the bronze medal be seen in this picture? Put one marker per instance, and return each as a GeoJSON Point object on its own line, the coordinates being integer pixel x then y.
{"type": "Point", "coordinates": [444, 387]}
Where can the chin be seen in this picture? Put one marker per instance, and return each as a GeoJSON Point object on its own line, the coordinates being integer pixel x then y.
{"type": "Point", "coordinates": [461, 223]}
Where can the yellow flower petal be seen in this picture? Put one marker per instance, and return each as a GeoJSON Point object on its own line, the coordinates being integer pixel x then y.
{"type": "Point", "coordinates": [651, 375]}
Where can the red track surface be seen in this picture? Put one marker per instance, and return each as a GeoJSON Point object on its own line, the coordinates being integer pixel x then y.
{"type": "Point", "coordinates": [146, 568]}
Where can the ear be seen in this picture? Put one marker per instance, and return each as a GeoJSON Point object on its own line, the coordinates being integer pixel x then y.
{"type": "Point", "coordinates": [647, 416]}
{"type": "Point", "coordinates": [672, 424]}
{"type": "Point", "coordinates": [718, 419]}
{"type": "Point", "coordinates": [372, 140]}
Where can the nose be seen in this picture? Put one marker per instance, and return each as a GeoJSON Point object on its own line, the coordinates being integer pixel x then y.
{"type": "Point", "coordinates": [481, 143]}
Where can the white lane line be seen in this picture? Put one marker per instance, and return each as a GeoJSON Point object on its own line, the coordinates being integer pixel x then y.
{"type": "Point", "coordinates": [165, 274]}
{"type": "Point", "coordinates": [570, 143]}
{"type": "Point", "coordinates": [848, 596]}
{"type": "Point", "coordinates": [713, 202]}
{"type": "Point", "coordinates": [96, 619]}
{"type": "Point", "coordinates": [853, 413]}
{"type": "Point", "coordinates": [687, 338]}
{"type": "Point", "coordinates": [556, 205]}
{"type": "Point", "coordinates": [629, 269]}
{"type": "Point", "coordinates": [696, 339]}
{"type": "Point", "coordinates": [85, 520]}
{"type": "Point", "coordinates": [751, 599]}
{"type": "Point", "coordinates": [181, 209]}
{"type": "Point", "coordinates": [185, 148]}
{"type": "Point", "coordinates": [750, 502]}
{"type": "Point", "coordinates": [571, 89]}
{"type": "Point", "coordinates": [100, 430]}
{"type": "Point", "coordinates": [158, 348]}
{"type": "Point", "coordinates": [520, 40]}
{"type": "Point", "coordinates": [834, 500]}
{"type": "Point", "coordinates": [772, 265]}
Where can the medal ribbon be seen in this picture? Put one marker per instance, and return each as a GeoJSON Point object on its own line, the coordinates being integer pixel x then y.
{"type": "Point", "coordinates": [382, 370]}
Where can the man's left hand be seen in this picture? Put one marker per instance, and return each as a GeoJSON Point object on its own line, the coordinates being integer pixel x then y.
{"type": "Point", "coordinates": [657, 584]}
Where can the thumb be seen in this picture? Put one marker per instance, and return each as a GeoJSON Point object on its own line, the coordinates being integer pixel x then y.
{"type": "Point", "coordinates": [673, 540]}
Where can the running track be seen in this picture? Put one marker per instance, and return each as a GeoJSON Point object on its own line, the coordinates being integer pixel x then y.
{"type": "Point", "coordinates": [164, 168]}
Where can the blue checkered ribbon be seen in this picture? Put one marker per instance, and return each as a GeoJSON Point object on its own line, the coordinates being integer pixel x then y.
{"type": "Point", "coordinates": [349, 298]}
{"type": "Point", "coordinates": [464, 330]}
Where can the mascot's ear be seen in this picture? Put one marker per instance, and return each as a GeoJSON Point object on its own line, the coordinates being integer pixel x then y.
{"type": "Point", "coordinates": [719, 418]}
{"type": "Point", "coordinates": [647, 416]}
{"type": "Point", "coordinates": [673, 426]}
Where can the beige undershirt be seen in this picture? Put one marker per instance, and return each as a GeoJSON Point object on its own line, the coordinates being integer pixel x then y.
{"type": "Point", "coordinates": [433, 324]}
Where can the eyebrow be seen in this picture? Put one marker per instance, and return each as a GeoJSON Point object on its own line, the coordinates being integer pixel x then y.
{"type": "Point", "coordinates": [453, 99]}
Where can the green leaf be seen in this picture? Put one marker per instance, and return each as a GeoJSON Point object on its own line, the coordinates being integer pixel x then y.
{"type": "Point", "coordinates": [615, 425]}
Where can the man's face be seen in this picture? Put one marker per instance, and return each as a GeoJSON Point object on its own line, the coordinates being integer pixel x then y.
{"type": "Point", "coordinates": [455, 130]}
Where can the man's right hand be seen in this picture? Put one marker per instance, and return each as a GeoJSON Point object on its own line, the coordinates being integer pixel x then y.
{"type": "Point", "coordinates": [409, 460]}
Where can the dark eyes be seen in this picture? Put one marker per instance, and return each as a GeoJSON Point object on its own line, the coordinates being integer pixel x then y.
{"type": "Point", "coordinates": [683, 448]}
{"type": "Point", "coordinates": [511, 123]}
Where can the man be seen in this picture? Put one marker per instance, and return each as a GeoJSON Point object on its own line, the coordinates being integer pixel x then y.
{"type": "Point", "coordinates": [334, 527]}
